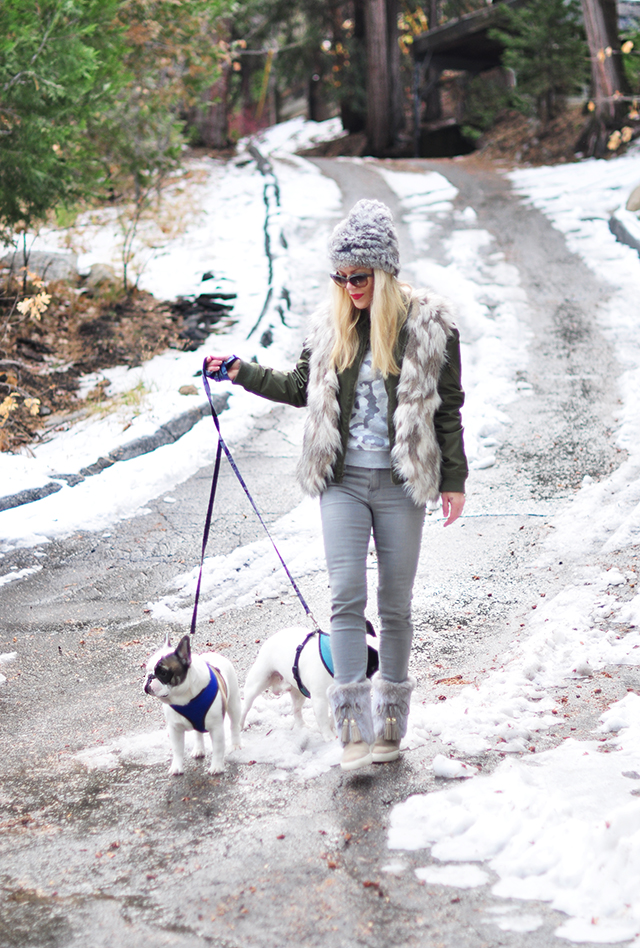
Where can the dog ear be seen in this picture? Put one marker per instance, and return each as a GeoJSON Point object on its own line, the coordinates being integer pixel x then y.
{"type": "Point", "coordinates": [183, 651]}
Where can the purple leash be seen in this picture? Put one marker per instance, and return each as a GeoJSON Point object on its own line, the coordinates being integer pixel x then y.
{"type": "Point", "coordinates": [214, 483]}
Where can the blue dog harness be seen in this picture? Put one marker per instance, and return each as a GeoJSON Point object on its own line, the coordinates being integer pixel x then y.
{"type": "Point", "coordinates": [196, 710]}
{"type": "Point", "coordinates": [324, 648]}
{"type": "Point", "coordinates": [325, 657]}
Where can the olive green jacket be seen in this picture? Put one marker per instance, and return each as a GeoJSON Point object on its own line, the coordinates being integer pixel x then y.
{"type": "Point", "coordinates": [441, 414]}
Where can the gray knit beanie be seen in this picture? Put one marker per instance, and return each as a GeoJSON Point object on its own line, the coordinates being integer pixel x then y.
{"type": "Point", "coordinates": [366, 238]}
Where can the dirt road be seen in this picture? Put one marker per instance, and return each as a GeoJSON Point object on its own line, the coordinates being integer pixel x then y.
{"type": "Point", "coordinates": [132, 857]}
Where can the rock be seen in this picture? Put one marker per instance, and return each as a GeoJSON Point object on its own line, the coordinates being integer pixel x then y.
{"type": "Point", "coordinates": [633, 203]}
{"type": "Point", "coordinates": [44, 264]}
{"type": "Point", "coordinates": [28, 496]}
{"type": "Point", "coordinates": [101, 274]}
{"type": "Point", "coordinates": [188, 390]}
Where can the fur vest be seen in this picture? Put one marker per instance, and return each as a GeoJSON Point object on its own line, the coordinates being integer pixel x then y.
{"type": "Point", "coordinates": [415, 454]}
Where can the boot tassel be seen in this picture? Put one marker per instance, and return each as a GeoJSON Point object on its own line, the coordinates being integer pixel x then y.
{"type": "Point", "coordinates": [350, 732]}
{"type": "Point", "coordinates": [391, 730]}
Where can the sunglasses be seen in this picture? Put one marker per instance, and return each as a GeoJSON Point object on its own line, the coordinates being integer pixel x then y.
{"type": "Point", "coordinates": [356, 279]}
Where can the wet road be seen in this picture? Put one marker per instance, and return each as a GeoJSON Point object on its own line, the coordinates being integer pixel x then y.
{"type": "Point", "coordinates": [130, 856]}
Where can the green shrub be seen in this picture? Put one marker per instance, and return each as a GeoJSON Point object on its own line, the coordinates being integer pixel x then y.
{"type": "Point", "coordinates": [485, 97]}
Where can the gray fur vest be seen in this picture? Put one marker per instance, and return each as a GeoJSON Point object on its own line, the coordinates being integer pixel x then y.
{"type": "Point", "coordinates": [415, 454]}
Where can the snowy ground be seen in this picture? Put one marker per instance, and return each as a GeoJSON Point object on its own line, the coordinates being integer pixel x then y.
{"type": "Point", "coordinates": [560, 826]}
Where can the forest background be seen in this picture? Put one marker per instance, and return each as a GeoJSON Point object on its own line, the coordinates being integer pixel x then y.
{"type": "Point", "coordinates": [102, 100]}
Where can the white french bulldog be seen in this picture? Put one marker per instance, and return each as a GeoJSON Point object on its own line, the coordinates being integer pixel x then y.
{"type": "Point", "coordinates": [273, 670]}
{"type": "Point", "coordinates": [196, 691]}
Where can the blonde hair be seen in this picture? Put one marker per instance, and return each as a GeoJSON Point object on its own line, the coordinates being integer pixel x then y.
{"type": "Point", "coordinates": [389, 310]}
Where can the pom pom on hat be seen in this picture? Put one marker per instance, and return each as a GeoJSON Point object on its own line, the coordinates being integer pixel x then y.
{"type": "Point", "coordinates": [366, 238]}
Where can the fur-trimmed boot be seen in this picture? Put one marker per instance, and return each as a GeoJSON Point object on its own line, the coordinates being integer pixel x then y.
{"type": "Point", "coordinates": [391, 702]}
{"type": "Point", "coordinates": [351, 706]}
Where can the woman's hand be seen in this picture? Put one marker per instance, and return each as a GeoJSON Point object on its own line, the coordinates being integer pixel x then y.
{"type": "Point", "coordinates": [214, 363]}
{"type": "Point", "coordinates": [452, 506]}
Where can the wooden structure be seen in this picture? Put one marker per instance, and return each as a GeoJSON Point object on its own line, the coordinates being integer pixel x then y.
{"type": "Point", "coordinates": [463, 45]}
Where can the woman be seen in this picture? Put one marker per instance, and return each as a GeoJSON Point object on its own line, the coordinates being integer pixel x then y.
{"type": "Point", "coordinates": [380, 376]}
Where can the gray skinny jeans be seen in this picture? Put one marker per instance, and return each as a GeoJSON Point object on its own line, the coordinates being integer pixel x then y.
{"type": "Point", "coordinates": [367, 500]}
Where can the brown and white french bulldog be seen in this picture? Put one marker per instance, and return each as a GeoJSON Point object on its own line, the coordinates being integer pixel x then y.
{"type": "Point", "coordinates": [197, 691]}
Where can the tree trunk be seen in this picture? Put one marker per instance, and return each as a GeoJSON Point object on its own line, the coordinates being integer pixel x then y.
{"type": "Point", "coordinates": [378, 131]}
{"type": "Point", "coordinates": [354, 118]}
{"type": "Point", "coordinates": [396, 97]}
{"type": "Point", "coordinates": [213, 114]}
{"type": "Point", "coordinates": [431, 95]}
{"type": "Point", "coordinates": [215, 131]}
{"type": "Point", "coordinates": [433, 14]}
{"type": "Point", "coordinates": [317, 105]}
{"type": "Point", "coordinates": [607, 76]}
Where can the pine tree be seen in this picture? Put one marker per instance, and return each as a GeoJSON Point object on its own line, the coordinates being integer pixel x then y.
{"type": "Point", "coordinates": [545, 46]}
{"type": "Point", "coordinates": [59, 66]}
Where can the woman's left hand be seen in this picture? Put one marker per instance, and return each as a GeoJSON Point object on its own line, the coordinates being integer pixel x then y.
{"type": "Point", "coordinates": [452, 506]}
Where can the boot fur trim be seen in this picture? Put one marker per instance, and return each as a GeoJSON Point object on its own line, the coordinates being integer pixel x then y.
{"type": "Point", "coordinates": [351, 706]}
{"type": "Point", "coordinates": [391, 703]}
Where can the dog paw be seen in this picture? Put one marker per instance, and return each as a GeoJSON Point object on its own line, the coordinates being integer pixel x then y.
{"type": "Point", "coordinates": [216, 769]}
{"type": "Point", "coordinates": [197, 752]}
{"type": "Point", "coordinates": [176, 770]}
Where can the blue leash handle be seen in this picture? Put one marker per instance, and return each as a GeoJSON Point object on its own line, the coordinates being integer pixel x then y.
{"type": "Point", "coordinates": [207, 526]}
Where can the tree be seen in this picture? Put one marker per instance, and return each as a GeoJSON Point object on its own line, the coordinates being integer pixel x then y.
{"type": "Point", "coordinates": [171, 58]}
{"type": "Point", "coordinates": [378, 127]}
{"type": "Point", "coordinates": [369, 61]}
{"type": "Point", "coordinates": [213, 120]}
{"type": "Point", "coordinates": [93, 97]}
{"type": "Point", "coordinates": [289, 50]}
{"type": "Point", "coordinates": [59, 67]}
{"type": "Point", "coordinates": [349, 73]}
{"type": "Point", "coordinates": [344, 52]}
{"type": "Point", "coordinates": [396, 91]}
{"type": "Point", "coordinates": [609, 84]}
{"type": "Point", "coordinates": [545, 46]}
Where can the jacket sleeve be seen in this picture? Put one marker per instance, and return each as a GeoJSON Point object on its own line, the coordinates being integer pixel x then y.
{"type": "Point", "coordinates": [290, 388]}
{"type": "Point", "coordinates": [447, 421]}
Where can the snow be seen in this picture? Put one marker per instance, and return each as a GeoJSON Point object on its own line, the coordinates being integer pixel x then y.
{"type": "Point", "coordinates": [269, 738]}
{"type": "Point", "coordinates": [461, 876]}
{"type": "Point", "coordinates": [562, 826]}
{"type": "Point", "coordinates": [251, 572]}
{"type": "Point", "coordinates": [18, 574]}
{"type": "Point", "coordinates": [451, 769]}
{"type": "Point", "coordinates": [5, 659]}
{"type": "Point", "coordinates": [517, 923]}
{"type": "Point", "coordinates": [226, 237]}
